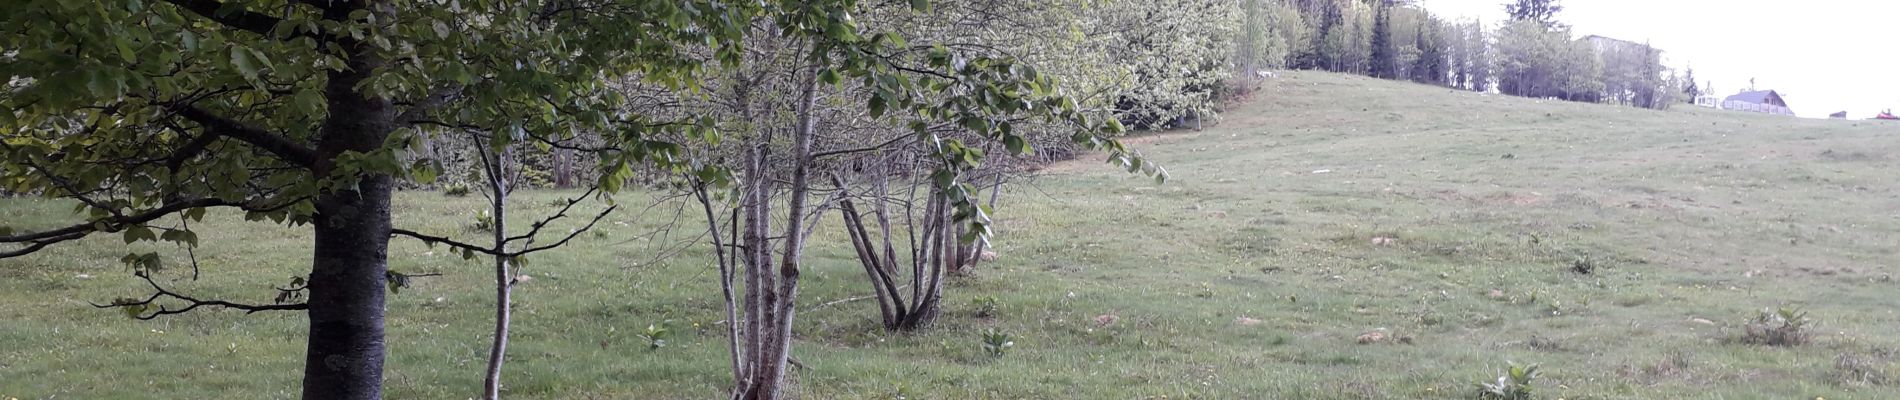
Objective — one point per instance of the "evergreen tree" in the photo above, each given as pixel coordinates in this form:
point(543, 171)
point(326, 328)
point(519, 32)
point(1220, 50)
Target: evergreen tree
point(1384, 58)
point(1691, 91)
point(1544, 11)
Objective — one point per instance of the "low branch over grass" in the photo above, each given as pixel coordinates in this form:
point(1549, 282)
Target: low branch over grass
point(137, 308)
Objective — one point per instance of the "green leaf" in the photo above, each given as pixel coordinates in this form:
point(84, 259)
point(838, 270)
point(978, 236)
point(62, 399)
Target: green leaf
point(137, 233)
point(828, 76)
point(877, 105)
point(181, 236)
point(920, 5)
point(424, 171)
point(1115, 126)
point(1016, 144)
point(125, 49)
point(308, 100)
point(242, 59)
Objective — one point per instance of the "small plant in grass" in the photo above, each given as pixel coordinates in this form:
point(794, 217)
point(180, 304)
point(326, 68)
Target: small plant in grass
point(1583, 266)
point(1858, 370)
point(901, 392)
point(656, 335)
point(997, 343)
point(986, 307)
point(484, 222)
point(1781, 327)
point(1515, 384)
point(455, 190)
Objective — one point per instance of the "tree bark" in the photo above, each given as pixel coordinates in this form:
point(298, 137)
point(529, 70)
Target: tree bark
point(344, 358)
point(778, 287)
point(496, 169)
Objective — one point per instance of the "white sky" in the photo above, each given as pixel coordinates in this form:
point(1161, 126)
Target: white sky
point(1823, 56)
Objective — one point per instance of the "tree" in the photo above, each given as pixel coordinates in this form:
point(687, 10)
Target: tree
point(1385, 64)
point(1479, 69)
point(1430, 66)
point(818, 86)
point(1535, 60)
point(1255, 44)
point(294, 112)
point(1177, 53)
point(1690, 90)
point(1543, 11)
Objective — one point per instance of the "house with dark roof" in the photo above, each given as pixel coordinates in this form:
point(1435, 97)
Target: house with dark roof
point(1761, 101)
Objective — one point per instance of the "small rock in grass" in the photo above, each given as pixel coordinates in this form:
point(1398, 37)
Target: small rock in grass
point(1372, 337)
point(1244, 321)
point(1105, 320)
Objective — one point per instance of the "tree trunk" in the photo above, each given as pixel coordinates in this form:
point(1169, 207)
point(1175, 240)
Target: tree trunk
point(778, 286)
point(496, 169)
point(344, 360)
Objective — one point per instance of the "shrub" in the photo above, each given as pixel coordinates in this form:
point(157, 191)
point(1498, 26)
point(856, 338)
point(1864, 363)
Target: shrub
point(656, 335)
point(484, 222)
point(1852, 369)
point(1583, 265)
point(455, 190)
point(986, 306)
point(1782, 327)
point(996, 342)
point(1515, 384)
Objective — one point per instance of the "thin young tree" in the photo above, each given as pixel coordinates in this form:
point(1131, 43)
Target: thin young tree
point(761, 213)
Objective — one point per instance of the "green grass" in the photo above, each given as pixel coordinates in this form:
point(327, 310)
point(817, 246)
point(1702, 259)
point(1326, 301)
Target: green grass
point(1690, 216)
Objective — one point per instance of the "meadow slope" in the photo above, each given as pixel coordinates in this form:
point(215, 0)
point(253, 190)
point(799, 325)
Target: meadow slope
point(1326, 208)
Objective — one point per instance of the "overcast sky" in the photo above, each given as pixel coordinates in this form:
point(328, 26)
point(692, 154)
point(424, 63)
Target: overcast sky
point(1823, 56)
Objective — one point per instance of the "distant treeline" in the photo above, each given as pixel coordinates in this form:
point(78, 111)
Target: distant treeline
point(1531, 55)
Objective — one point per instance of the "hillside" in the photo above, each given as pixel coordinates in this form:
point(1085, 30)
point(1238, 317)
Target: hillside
point(1330, 207)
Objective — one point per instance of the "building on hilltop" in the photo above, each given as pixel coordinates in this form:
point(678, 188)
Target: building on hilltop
point(1761, 101)
point(1708, 101)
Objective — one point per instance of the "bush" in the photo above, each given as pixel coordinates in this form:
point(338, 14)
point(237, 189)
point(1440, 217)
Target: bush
point(996, 342)
point(986, 306)
point(1782, 327)
point(484, 222)
point(1857, 370)
point(656, 335)
point(455, 190)
point(1515, 384)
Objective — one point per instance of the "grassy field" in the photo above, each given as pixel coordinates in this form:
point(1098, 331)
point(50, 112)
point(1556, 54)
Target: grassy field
point(1328, 208)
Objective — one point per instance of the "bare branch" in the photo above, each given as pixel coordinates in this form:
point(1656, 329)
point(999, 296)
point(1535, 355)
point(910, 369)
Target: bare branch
point(161, 292)
point(536, 230)
point(570, 235)
point(445, 240)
